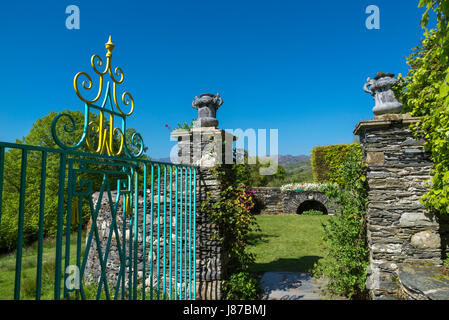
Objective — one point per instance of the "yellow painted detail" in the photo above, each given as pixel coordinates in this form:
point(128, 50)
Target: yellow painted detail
point(104, 132)
point(128, 205)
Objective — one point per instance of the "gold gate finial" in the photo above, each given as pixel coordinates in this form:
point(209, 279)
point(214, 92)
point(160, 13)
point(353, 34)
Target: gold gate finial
point(108, 138)
point(109, 46)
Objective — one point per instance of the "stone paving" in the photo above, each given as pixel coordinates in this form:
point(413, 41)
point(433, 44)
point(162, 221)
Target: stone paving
point(292, 286)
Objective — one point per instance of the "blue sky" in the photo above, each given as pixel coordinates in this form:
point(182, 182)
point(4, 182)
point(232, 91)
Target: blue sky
point(296, 66)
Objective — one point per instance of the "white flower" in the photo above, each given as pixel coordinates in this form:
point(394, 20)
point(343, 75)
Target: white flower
point(303, 186)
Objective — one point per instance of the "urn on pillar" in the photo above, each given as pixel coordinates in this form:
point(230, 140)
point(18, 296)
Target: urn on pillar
point(380, 89)
point(207, 106)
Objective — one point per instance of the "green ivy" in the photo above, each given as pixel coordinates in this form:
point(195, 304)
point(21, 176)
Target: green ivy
point(241, 286)
point(425, 93)
point(345, 234)
point(232, 213)
point(328, 159)
point(312, 213)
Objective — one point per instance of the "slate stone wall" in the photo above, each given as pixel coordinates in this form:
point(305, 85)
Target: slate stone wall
point(206, 148)
point(399, 228)
point(274, 201)
point(177, 227)
point(209, 260)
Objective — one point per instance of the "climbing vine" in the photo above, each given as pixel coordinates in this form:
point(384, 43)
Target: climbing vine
point(328, 159)
point(232, 213)
point(345, 234)
point(425, 93)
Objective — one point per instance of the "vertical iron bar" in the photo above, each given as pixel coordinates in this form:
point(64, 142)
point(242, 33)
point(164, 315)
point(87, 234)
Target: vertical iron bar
point(136, 231)
point(151, 232)
point(194, 233)
point(190, 233)
point(144, 229)
point(80, 233)
point(40, 237)
point(176, 232)
point(130, 251)
point(165, 233)
point(23, 168)
point(68, 226)
point(158, 229)
point(122, 254)
point(170, 242)
point(125, 258)
point(185, 236)
point(180, 235)
point(130, 257)
point(60, 216)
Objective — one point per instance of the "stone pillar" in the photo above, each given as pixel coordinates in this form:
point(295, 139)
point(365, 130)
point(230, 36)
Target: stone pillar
point(206, 147)
point(399, 228)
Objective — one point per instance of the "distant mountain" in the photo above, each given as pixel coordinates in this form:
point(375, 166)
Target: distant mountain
point(292, 159)
point(282, 159)
point(162, 159)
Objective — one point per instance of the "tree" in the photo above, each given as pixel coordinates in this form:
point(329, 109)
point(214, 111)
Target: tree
point(40, 135)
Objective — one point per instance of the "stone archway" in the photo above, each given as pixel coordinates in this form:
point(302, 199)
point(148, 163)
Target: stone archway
point(311, 205)
point(296, 202)
point(275, 201)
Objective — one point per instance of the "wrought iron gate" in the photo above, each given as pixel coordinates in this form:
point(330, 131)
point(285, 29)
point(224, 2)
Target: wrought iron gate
point(140, 214)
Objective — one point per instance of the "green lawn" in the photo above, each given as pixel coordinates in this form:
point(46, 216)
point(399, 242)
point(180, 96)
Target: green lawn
point(29, 263)
point(28, 278)
point(287, 243)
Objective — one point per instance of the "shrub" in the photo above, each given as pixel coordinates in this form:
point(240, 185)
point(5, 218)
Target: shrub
point(425, 93)
point(312, 213)
point(303, 186)
point(328, 159)
point(345, 234)
point(232, 213)
point(241, 286)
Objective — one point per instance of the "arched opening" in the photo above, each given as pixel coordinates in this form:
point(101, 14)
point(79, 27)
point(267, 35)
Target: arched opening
point(311, 205)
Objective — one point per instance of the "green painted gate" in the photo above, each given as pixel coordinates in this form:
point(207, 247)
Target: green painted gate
point(104, 221)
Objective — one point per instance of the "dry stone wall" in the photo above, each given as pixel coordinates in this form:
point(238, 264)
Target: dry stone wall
point(274, 201)
point(168, 244)
point(209, 258)
point(399, 228)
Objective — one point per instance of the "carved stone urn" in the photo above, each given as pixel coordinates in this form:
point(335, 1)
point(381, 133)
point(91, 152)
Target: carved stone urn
point(380, 89)
point(207, 106)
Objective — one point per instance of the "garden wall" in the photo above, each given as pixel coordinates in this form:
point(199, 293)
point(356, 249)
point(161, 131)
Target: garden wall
point(400, 230)
point(209, 258)
point(275, 201)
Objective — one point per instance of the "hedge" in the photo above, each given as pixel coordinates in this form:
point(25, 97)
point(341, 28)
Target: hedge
point(328, 159)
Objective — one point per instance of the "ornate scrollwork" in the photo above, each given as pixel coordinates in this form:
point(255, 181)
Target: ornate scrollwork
point(109, 139)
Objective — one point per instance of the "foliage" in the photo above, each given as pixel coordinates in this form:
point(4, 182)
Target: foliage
point(231, 212)
point(248, 170)
point(425, 93)
point(298, 172)
point(304, 186)
point(186, 126)
point(241, 286)
point(345, 234)
point(312, 213)
point(327, 159)
point(40, 135)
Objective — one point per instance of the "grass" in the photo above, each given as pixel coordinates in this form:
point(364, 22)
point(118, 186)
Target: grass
point(287, 243)
point(29, 267)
